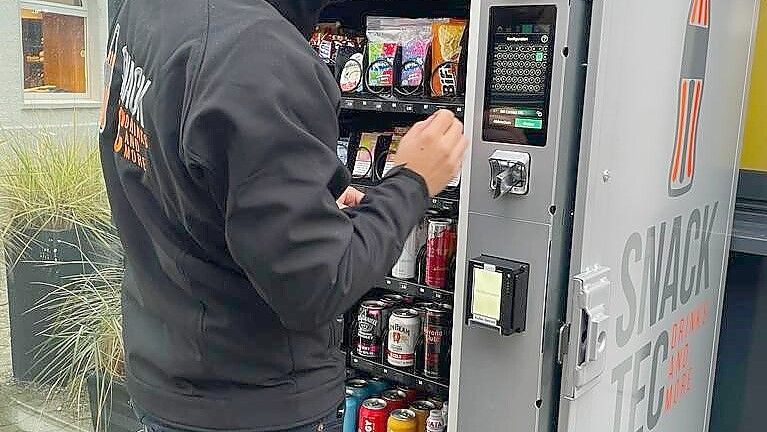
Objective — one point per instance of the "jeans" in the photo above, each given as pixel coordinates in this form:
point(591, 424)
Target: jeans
point(331, 423)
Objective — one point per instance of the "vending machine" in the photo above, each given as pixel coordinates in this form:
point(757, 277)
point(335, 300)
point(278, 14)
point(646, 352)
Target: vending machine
point(571, 278)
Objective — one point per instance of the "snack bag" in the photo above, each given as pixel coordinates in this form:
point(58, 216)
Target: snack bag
point(415, 37)
point(363, 165)
point(399, 132)
point(349, 65)
point(381, 53)
point(445, 55)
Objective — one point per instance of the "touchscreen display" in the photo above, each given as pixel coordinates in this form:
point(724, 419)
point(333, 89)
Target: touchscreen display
point(518, 80)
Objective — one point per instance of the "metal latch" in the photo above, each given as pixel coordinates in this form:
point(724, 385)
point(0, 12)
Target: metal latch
point(509, 173)
point(589, 325)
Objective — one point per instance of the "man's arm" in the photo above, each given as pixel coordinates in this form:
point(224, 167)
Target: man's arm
point(272, 122)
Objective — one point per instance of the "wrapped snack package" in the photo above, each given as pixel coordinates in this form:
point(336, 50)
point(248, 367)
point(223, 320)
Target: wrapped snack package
point(445, 55)
point(363, 165)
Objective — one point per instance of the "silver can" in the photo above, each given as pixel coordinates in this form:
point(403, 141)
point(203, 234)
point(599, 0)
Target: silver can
point(404, 332)
point(405, 267)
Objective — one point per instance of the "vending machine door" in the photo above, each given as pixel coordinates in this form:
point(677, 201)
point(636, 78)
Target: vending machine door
point(657, 173)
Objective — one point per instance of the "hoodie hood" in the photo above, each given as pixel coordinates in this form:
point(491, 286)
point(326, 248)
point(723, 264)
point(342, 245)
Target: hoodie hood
point(304, 14)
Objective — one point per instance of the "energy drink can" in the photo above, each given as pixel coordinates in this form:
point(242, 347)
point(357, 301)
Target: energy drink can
point(395, 399)
point(378, 385)
point(440, 245)
point(373, 417)
point(411, 393)
point(436, 329)
point(402, 420)
point(405, 267)
point(404, 332)
point(371, 321)
point(357, 390)
point(435, 422)
point(422, 409)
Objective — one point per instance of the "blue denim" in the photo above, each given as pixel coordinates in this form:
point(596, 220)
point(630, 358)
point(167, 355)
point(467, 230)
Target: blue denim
point(331, 423)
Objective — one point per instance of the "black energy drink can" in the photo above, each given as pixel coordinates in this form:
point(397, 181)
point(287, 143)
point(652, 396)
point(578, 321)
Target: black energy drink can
point(437, 330)
point(372, 320)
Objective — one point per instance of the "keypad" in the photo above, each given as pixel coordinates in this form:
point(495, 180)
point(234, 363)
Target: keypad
point(520, 67)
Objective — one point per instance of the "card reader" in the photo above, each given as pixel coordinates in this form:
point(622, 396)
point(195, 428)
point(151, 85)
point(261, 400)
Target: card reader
point(497, 294)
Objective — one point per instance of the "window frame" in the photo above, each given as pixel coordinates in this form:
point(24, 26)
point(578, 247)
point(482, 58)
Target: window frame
point(60, 99)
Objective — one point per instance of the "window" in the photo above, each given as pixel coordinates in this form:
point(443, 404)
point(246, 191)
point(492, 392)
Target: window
point(54, 49)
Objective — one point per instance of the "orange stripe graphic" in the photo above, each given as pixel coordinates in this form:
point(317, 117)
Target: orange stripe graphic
point(707, 13)
point(682, 122)
point(694, 127)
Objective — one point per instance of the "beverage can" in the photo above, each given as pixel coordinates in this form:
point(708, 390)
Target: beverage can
point(404, 333)
point(373, 416)
point(436, 329)
point(405, 267)
point(402, 420)
point(440, 245)
point(422, 408)
point(393, 300)
point(371, 321)
point(394, 398)
point(378, 385)
point(356, 392)
point(411, 393)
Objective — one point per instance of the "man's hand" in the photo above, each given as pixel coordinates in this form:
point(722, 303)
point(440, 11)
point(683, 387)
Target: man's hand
point(350, 198)
point(434, 149)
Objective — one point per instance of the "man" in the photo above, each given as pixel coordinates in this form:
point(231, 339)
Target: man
point(218, 147)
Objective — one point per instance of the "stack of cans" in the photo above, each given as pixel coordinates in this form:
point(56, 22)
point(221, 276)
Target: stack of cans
point(411, 336)
point(428, 254)
point(397, 409)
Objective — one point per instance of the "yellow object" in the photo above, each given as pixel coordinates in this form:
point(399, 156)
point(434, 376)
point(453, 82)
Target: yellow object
point(486, 298)
point(755, 139)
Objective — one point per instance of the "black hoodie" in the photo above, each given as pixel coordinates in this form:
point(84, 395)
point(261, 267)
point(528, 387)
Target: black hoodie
point(218, 147)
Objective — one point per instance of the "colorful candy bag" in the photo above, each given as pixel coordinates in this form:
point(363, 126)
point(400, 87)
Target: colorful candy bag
point(415, 37)
point(382, 50)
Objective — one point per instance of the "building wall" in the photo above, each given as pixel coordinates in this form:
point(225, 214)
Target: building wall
point(755, 139)
point(14, 112)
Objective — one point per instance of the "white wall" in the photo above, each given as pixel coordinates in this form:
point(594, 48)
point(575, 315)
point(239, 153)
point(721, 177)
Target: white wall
point(14, 112)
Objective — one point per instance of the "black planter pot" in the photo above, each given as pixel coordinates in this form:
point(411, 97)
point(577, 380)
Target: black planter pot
point(115, 413)
point(29, 282)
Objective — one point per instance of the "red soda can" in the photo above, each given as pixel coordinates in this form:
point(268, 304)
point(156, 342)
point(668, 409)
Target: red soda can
point(411, 394)
point(374, 414)
point(395, 399)
point(440, 245)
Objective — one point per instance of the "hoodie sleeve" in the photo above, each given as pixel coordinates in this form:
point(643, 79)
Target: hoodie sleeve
point(277, 121)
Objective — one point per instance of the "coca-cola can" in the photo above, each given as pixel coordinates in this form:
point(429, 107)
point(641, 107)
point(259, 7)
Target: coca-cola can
point(373, 416)
point(440, 247)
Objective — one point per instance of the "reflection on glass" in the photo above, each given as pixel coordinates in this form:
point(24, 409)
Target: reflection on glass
point(54, 51)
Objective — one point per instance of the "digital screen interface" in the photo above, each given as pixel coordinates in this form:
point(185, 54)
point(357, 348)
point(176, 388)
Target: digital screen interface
point(520, 54)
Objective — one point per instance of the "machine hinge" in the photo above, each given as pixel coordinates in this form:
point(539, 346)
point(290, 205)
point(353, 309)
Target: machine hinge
point(564, 342)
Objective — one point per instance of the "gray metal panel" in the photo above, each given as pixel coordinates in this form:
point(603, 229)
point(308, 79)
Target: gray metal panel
point(495, 381)
point(500, 376)
point(624, 191)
